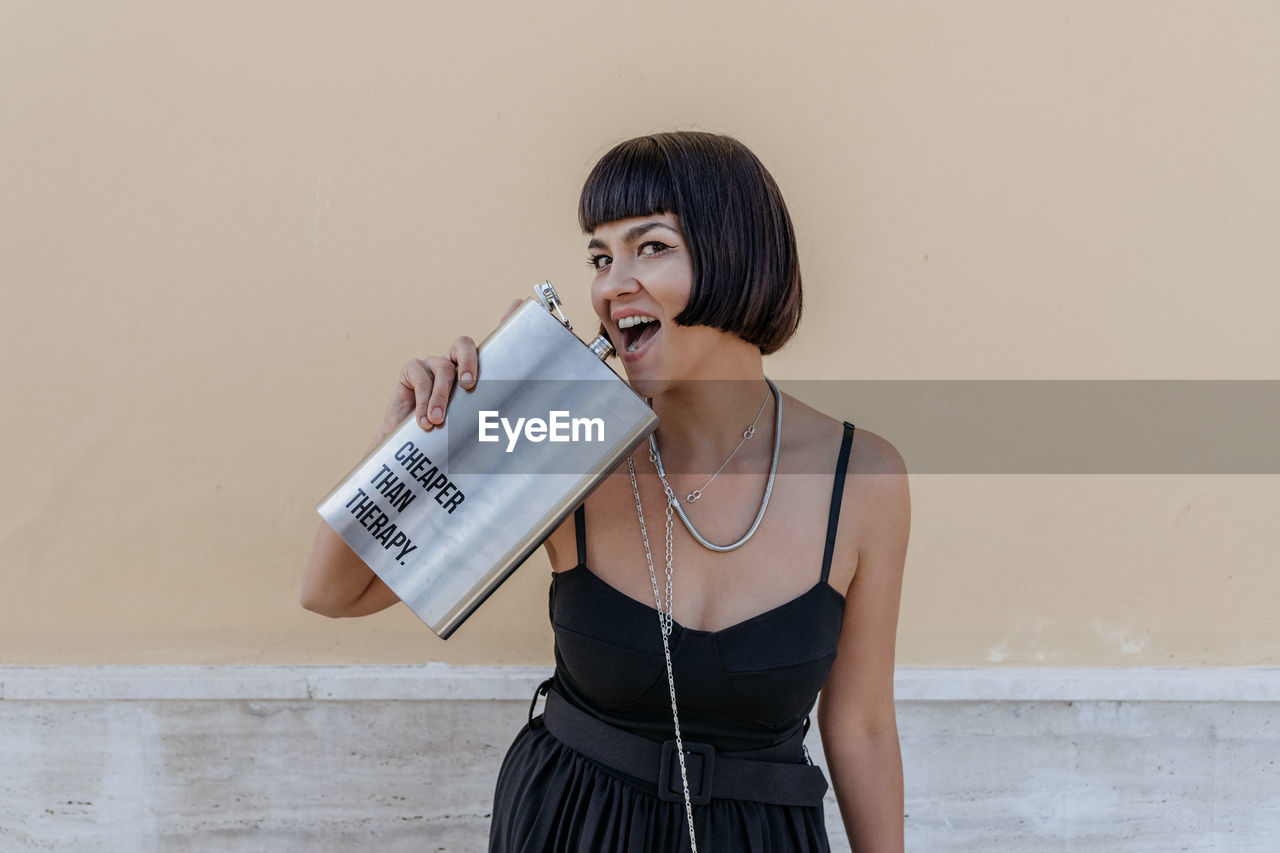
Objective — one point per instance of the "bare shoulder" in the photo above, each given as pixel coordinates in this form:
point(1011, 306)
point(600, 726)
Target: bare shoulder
point(871, 453)
point(878, 488)
point(562, 546)
point(875, 507)
point(874, 454)
point(879, 506)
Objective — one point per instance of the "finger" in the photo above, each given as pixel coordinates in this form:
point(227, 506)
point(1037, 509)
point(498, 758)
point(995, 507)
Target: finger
point(463, 353)
point(417, 379)
point(443, 374)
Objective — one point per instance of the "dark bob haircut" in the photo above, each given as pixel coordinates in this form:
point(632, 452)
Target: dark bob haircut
point(746, 269)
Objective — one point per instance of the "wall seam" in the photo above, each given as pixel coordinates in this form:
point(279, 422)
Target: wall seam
point(444, 682)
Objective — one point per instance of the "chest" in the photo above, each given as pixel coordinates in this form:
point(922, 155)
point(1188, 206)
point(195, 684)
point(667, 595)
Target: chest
point(710, 590)
point(765, 670)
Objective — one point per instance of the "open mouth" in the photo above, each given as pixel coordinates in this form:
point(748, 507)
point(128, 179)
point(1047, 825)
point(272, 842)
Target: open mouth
point(637, 335)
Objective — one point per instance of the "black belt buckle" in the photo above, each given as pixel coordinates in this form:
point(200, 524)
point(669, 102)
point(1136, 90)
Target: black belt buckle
point(542, 690)
point(699, 764)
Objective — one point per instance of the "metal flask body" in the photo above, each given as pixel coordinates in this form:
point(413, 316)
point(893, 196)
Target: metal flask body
point(443, 517)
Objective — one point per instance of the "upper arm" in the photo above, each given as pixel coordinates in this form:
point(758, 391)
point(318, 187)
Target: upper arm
point(857, 700)
point(336, 582)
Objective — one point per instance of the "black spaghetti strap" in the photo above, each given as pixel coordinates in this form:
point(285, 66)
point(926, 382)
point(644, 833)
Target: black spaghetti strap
point(580, 527)
point(837, 495)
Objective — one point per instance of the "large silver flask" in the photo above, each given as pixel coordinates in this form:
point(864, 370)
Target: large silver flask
point(445, 516)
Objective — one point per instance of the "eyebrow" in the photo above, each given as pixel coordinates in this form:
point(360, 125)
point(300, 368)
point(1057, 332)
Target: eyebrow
point(633, 233)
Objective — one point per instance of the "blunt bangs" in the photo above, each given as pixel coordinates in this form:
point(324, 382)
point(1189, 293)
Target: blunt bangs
point(633, 179)
point(746, 266)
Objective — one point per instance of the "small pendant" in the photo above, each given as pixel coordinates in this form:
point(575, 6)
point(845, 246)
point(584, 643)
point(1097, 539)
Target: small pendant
point(694, 495)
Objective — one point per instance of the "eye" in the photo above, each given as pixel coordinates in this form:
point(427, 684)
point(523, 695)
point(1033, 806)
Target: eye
point(652, 247)
point(599, 262)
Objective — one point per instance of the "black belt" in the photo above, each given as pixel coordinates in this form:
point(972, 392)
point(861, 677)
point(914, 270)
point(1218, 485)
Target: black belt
point(722, 775)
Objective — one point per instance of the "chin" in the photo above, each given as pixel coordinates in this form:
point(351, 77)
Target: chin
point(644, 383)
point(645, 386)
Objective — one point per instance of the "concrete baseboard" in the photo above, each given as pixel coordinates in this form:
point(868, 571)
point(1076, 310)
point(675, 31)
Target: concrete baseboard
point(404, 758)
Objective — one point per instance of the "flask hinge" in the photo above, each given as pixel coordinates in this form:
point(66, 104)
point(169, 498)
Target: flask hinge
point(551, 301)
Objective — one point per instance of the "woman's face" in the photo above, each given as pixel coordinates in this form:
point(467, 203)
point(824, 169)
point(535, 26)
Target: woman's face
point(643, 270)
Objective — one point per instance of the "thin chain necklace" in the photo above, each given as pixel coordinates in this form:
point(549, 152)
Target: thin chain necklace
point(672, 501)
point(664, 627)
point(747, 435)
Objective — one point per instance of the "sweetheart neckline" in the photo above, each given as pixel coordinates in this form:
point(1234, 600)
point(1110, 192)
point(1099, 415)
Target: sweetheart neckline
point(676, 625)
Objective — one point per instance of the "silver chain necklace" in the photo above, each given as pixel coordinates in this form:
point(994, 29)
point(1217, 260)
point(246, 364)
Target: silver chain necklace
point(672, 501)
point(747, 435)
point(664, 627)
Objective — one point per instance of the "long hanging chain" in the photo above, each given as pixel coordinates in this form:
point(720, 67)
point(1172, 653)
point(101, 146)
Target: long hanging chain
point(664, 627)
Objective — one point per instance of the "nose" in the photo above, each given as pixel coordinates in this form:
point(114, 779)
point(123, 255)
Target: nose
point(619, 280)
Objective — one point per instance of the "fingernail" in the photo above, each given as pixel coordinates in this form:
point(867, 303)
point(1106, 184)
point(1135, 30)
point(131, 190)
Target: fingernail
point(424, 423)
point(436, 414)
point(466, 378)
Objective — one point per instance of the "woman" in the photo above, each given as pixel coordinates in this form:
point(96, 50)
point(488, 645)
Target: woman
point(771, 587)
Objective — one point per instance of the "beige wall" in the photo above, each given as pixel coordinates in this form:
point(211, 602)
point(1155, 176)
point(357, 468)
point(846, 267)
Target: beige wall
point(225, 226)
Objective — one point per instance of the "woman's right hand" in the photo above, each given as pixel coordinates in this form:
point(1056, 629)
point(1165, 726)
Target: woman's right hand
point(336, 582)
point(426, 383)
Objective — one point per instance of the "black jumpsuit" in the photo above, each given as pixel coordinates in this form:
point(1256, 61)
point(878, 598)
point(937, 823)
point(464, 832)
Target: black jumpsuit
point(745, 687)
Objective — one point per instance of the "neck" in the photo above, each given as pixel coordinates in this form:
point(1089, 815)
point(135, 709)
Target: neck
point(703, 421)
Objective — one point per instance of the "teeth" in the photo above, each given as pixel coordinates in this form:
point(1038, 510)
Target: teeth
point(635, 320)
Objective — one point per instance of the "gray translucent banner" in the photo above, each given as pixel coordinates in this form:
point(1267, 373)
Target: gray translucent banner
point(950, 426)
